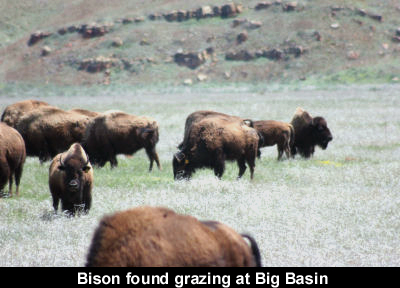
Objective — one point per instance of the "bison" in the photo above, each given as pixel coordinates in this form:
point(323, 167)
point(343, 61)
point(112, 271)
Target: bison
point(158, 237)
point(309, 132)
point(116, 132)
point(48, 131)
point(213, 140)
point(276, 132)
point(14, 112)
point(12, 157)
point(201, 114)
point(71, 180)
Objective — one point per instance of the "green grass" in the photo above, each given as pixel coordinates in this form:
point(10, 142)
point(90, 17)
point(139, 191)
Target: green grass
point(336, 209)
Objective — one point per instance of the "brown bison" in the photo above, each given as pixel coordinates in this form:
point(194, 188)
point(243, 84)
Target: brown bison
point(14, 112)
point(71, 180)
point(213, 140)
point(85, 112)
point(309, 132)
point(12, 157)
point(115, 132)
point(276, 132)
point(48, 131)
point(201, 114)
point(158, 237)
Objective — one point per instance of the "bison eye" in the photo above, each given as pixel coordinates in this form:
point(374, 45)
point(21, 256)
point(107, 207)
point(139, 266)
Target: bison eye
point(62, 168)
point(86, 169)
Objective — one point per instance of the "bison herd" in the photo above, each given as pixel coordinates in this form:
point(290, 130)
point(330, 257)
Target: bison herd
point(76, 139)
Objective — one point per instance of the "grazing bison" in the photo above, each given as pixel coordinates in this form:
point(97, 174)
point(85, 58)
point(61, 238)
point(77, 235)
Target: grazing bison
point(309, 132)
point(158, 237)
point(276, 132)
point(71, 180)
point(213, 140)
point(48, 131)
point(199, 115)
point(14, 112)
point(115, 132)
point(12, 157)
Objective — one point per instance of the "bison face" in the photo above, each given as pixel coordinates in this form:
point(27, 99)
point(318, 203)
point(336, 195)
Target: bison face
point(74, 179)
point(180, 166)
point(321, 133)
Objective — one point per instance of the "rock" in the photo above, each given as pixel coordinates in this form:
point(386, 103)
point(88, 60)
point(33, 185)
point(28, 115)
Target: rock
point(289, 7)
point(263, 5)
point(97, 64)
point(242, 37)
point(117, 42)
point(229, 10)
point(204, 12)
point(242, 55)
point(46, 50)
point(188, 82)
point(254, 24)
point(353, 55)
point(202, 77)
point(335, 25)
point(37, 36)
point(191, 60)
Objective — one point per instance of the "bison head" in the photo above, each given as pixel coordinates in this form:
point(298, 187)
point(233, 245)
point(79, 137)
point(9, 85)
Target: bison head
point(180, 166)
point(320, 132)
point(74, 169)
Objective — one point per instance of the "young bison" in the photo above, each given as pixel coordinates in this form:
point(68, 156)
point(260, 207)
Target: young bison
point(213, 140)
point(116, 132)
point(71, 180)
point(158, 237)
point(276, 132)
point(12, 157)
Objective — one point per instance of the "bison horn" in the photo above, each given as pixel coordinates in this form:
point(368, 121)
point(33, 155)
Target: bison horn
point(61, 162)
point(179, 156)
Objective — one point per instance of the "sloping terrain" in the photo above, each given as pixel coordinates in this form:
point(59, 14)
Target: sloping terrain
point(314, 41)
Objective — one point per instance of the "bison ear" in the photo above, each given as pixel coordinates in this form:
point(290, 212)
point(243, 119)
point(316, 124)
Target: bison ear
point(179, 156)
point(86, 169)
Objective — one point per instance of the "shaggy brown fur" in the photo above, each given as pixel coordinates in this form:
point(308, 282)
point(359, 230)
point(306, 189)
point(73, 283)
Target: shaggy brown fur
point(115, 132)
point(71, 180)
point(276, 132)
point(213, 140)
point(85, 112)
point(48, 131)
point(309, 132)
point(15, 111)
point(12, 157)
point(201, 114)
point(158, 237)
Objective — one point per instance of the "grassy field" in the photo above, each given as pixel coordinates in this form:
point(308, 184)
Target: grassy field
point(340, 208)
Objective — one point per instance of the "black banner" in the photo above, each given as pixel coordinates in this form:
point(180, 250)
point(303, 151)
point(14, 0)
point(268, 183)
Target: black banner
point(204, 277)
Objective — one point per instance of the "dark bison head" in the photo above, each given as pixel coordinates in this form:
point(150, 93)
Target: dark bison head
point(74, 168)
point(180, 166)
point(320, 132)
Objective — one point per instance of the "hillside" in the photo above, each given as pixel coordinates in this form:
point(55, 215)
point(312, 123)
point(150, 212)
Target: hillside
point(175, 42)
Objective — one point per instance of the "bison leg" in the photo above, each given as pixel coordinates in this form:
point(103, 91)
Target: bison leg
point(280, 152)
point(10, 183)
point(251, 161)
point(152, 154)
point(4, 176)
point(17, 176)
point(242, 166)
point(56, 200)
point(219, 166)
point(113, 161)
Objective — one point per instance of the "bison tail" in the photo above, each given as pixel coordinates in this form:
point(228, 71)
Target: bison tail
point(254, 249)
point(249, 122)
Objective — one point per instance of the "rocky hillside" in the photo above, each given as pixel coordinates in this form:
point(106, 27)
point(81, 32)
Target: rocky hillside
point(186, 42)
